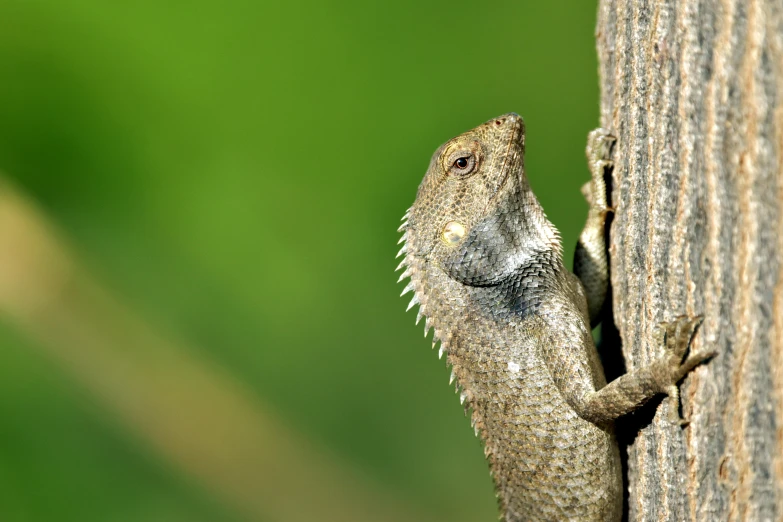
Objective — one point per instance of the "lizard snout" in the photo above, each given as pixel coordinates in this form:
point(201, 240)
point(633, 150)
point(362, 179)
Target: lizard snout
point(512, 121)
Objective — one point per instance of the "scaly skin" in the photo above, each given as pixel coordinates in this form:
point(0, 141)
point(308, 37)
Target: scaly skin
point(485, 266)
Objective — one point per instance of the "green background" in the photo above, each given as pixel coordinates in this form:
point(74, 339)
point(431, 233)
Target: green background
point(234, 173)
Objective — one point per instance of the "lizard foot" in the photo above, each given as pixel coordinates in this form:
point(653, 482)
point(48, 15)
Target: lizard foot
point(676, 337)
point(599, 153)
point(599, 145)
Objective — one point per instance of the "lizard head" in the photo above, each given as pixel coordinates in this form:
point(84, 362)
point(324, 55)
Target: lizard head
point(475, 219)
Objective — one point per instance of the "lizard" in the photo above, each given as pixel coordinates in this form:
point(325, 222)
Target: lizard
point(485, 267)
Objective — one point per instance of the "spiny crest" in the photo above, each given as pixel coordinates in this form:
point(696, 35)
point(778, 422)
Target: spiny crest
point(406, 263)
point(408, 273)
point(552, 235)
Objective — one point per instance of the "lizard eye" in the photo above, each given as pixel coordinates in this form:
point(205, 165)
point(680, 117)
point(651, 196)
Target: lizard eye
point(461, 164)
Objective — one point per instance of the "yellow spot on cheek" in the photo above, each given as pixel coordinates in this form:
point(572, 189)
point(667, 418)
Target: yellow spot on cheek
point(453, 232)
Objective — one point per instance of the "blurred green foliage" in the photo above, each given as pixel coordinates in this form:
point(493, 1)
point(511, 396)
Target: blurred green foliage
point(235, 171)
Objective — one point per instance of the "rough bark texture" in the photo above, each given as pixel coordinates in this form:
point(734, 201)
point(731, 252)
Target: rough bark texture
point(693, 90)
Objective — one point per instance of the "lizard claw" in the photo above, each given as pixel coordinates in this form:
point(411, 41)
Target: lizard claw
point(676, 336)
point(606, 211)
point(599, 145)
point(678, 342)
point(679, 333)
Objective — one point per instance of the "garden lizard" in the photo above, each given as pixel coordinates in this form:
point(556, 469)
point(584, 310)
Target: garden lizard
point(485, 267)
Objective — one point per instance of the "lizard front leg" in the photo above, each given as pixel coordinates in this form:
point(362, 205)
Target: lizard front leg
point(591, 265)
point(629, 391)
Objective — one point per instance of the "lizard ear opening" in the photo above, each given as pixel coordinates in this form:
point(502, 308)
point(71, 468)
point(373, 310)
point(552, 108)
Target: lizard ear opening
point(453, 233)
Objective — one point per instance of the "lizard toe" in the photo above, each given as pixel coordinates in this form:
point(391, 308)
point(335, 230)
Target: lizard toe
point(599, 144)
point(695, 359)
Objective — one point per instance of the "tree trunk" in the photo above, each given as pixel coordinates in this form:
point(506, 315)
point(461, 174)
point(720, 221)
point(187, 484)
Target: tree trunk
point(693, 90)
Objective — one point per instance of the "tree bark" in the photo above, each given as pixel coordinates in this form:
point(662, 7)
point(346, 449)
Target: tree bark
point(693, 90)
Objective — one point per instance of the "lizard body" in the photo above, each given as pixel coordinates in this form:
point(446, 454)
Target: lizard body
point(485, 266)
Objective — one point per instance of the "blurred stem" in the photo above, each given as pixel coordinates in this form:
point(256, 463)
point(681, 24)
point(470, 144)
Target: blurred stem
point(193, 414)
